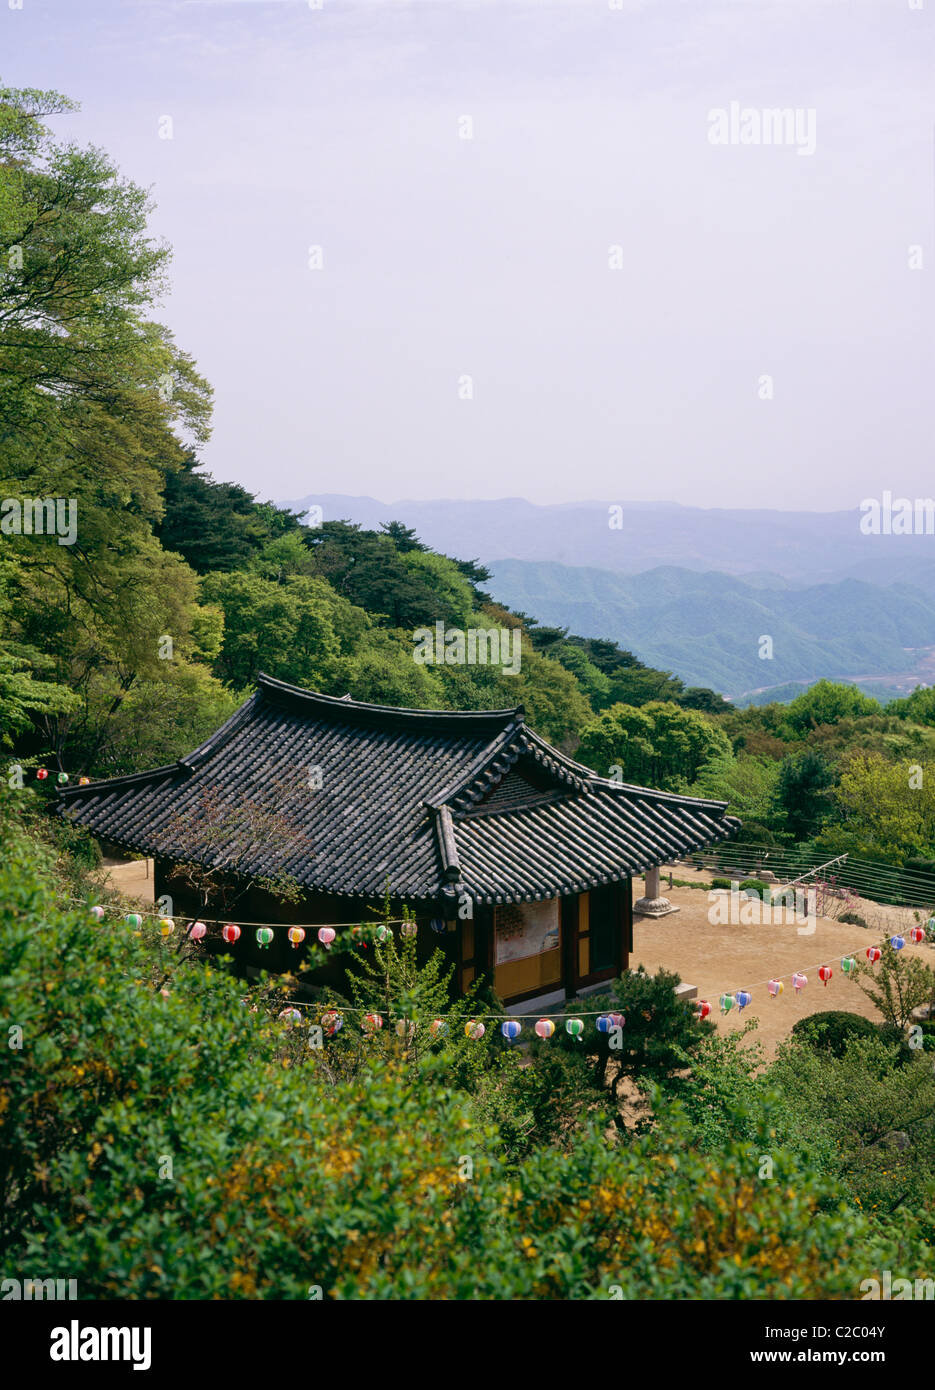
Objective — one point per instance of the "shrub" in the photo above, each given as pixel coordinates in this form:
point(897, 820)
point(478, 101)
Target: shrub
point(831, 1031)
point(854, 919)
point(720, 883)
point(757, 886)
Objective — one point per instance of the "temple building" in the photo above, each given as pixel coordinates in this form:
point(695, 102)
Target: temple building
point(308, 809)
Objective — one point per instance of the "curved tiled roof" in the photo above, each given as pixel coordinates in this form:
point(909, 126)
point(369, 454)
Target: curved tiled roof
point(423, 802)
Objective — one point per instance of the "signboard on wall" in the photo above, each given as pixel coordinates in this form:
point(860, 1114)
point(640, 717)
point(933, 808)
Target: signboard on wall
point(526, 929)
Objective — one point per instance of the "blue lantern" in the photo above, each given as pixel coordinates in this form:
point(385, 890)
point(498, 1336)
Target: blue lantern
point(511, 1029)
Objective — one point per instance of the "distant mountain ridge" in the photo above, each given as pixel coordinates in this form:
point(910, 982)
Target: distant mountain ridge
point(802, 547)
point(694, 591)
point(709, 627)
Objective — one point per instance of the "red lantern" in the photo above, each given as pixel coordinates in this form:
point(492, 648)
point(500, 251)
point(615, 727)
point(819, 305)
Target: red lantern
point(230, 932)
point(824, 974)
point(917, 934)
point(42, 773)
point(702, 1008)
point(873, 954)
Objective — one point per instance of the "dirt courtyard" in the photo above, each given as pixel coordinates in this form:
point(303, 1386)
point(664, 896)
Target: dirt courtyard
point(722, 959)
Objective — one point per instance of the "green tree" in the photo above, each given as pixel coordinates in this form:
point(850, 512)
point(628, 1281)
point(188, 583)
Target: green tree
point(658, 745)
point(803, 792)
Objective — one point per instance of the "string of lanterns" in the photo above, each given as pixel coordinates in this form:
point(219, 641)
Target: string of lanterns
point(100, 912)
point(799, 979)
point(511, 1028)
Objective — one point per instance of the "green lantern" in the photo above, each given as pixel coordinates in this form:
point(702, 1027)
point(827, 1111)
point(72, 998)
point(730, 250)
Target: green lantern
point(848, 964)
point(264, 936)
point(133, 919)
point(574, 1027)
point(62, 778)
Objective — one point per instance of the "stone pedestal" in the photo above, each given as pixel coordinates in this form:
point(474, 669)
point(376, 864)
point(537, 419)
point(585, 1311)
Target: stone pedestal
point(652, 905)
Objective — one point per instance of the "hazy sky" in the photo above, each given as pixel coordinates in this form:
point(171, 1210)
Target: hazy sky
point(444, 257)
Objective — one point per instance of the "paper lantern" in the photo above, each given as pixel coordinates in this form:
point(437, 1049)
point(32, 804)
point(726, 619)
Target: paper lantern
point(473, 1029)
point(437, 924)
point(83, 781)
point(608, 1022)
point(702, 1008)
point(359, 936)
point(331, 1022)
point(848, 964)
point(438, 1028)
point(824, 974)
point(62, 779)
point(897, 942)
point(775, 987)
point(264, 936)
point(296, 935)
point(511, 1029)
point(545, 1028)
point(371, 1023)
point(743, 997)
point(408, 929)
point(326, 935)
point(799, 981)
point(230, 932)
point(97, 913)
point(405, 1028)
point(42, 773)
point(917, 934)
point(166, 926)
point(198, 931)
point(574, 1027)
point(290, 1016)
point(873, 954)
point(727, 1003)
point(133, 919)
point(381, 933)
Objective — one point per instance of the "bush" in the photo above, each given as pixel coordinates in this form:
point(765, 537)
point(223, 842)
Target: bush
point(720, 883)
point(757, 886)
point(833, 1030)
point(853, 919)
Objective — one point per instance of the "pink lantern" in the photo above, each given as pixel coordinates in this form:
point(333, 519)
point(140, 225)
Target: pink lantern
point(473, 1029)
point(775, 987)
point(296, 935)
point(97, 913)
point(230, 932)
point(290, 1016)
point(408, 929)
point(799, 981)
point(873, 954)
point(326, 935)
point(824, 974)
point(197, 931)
point(545, 1028)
